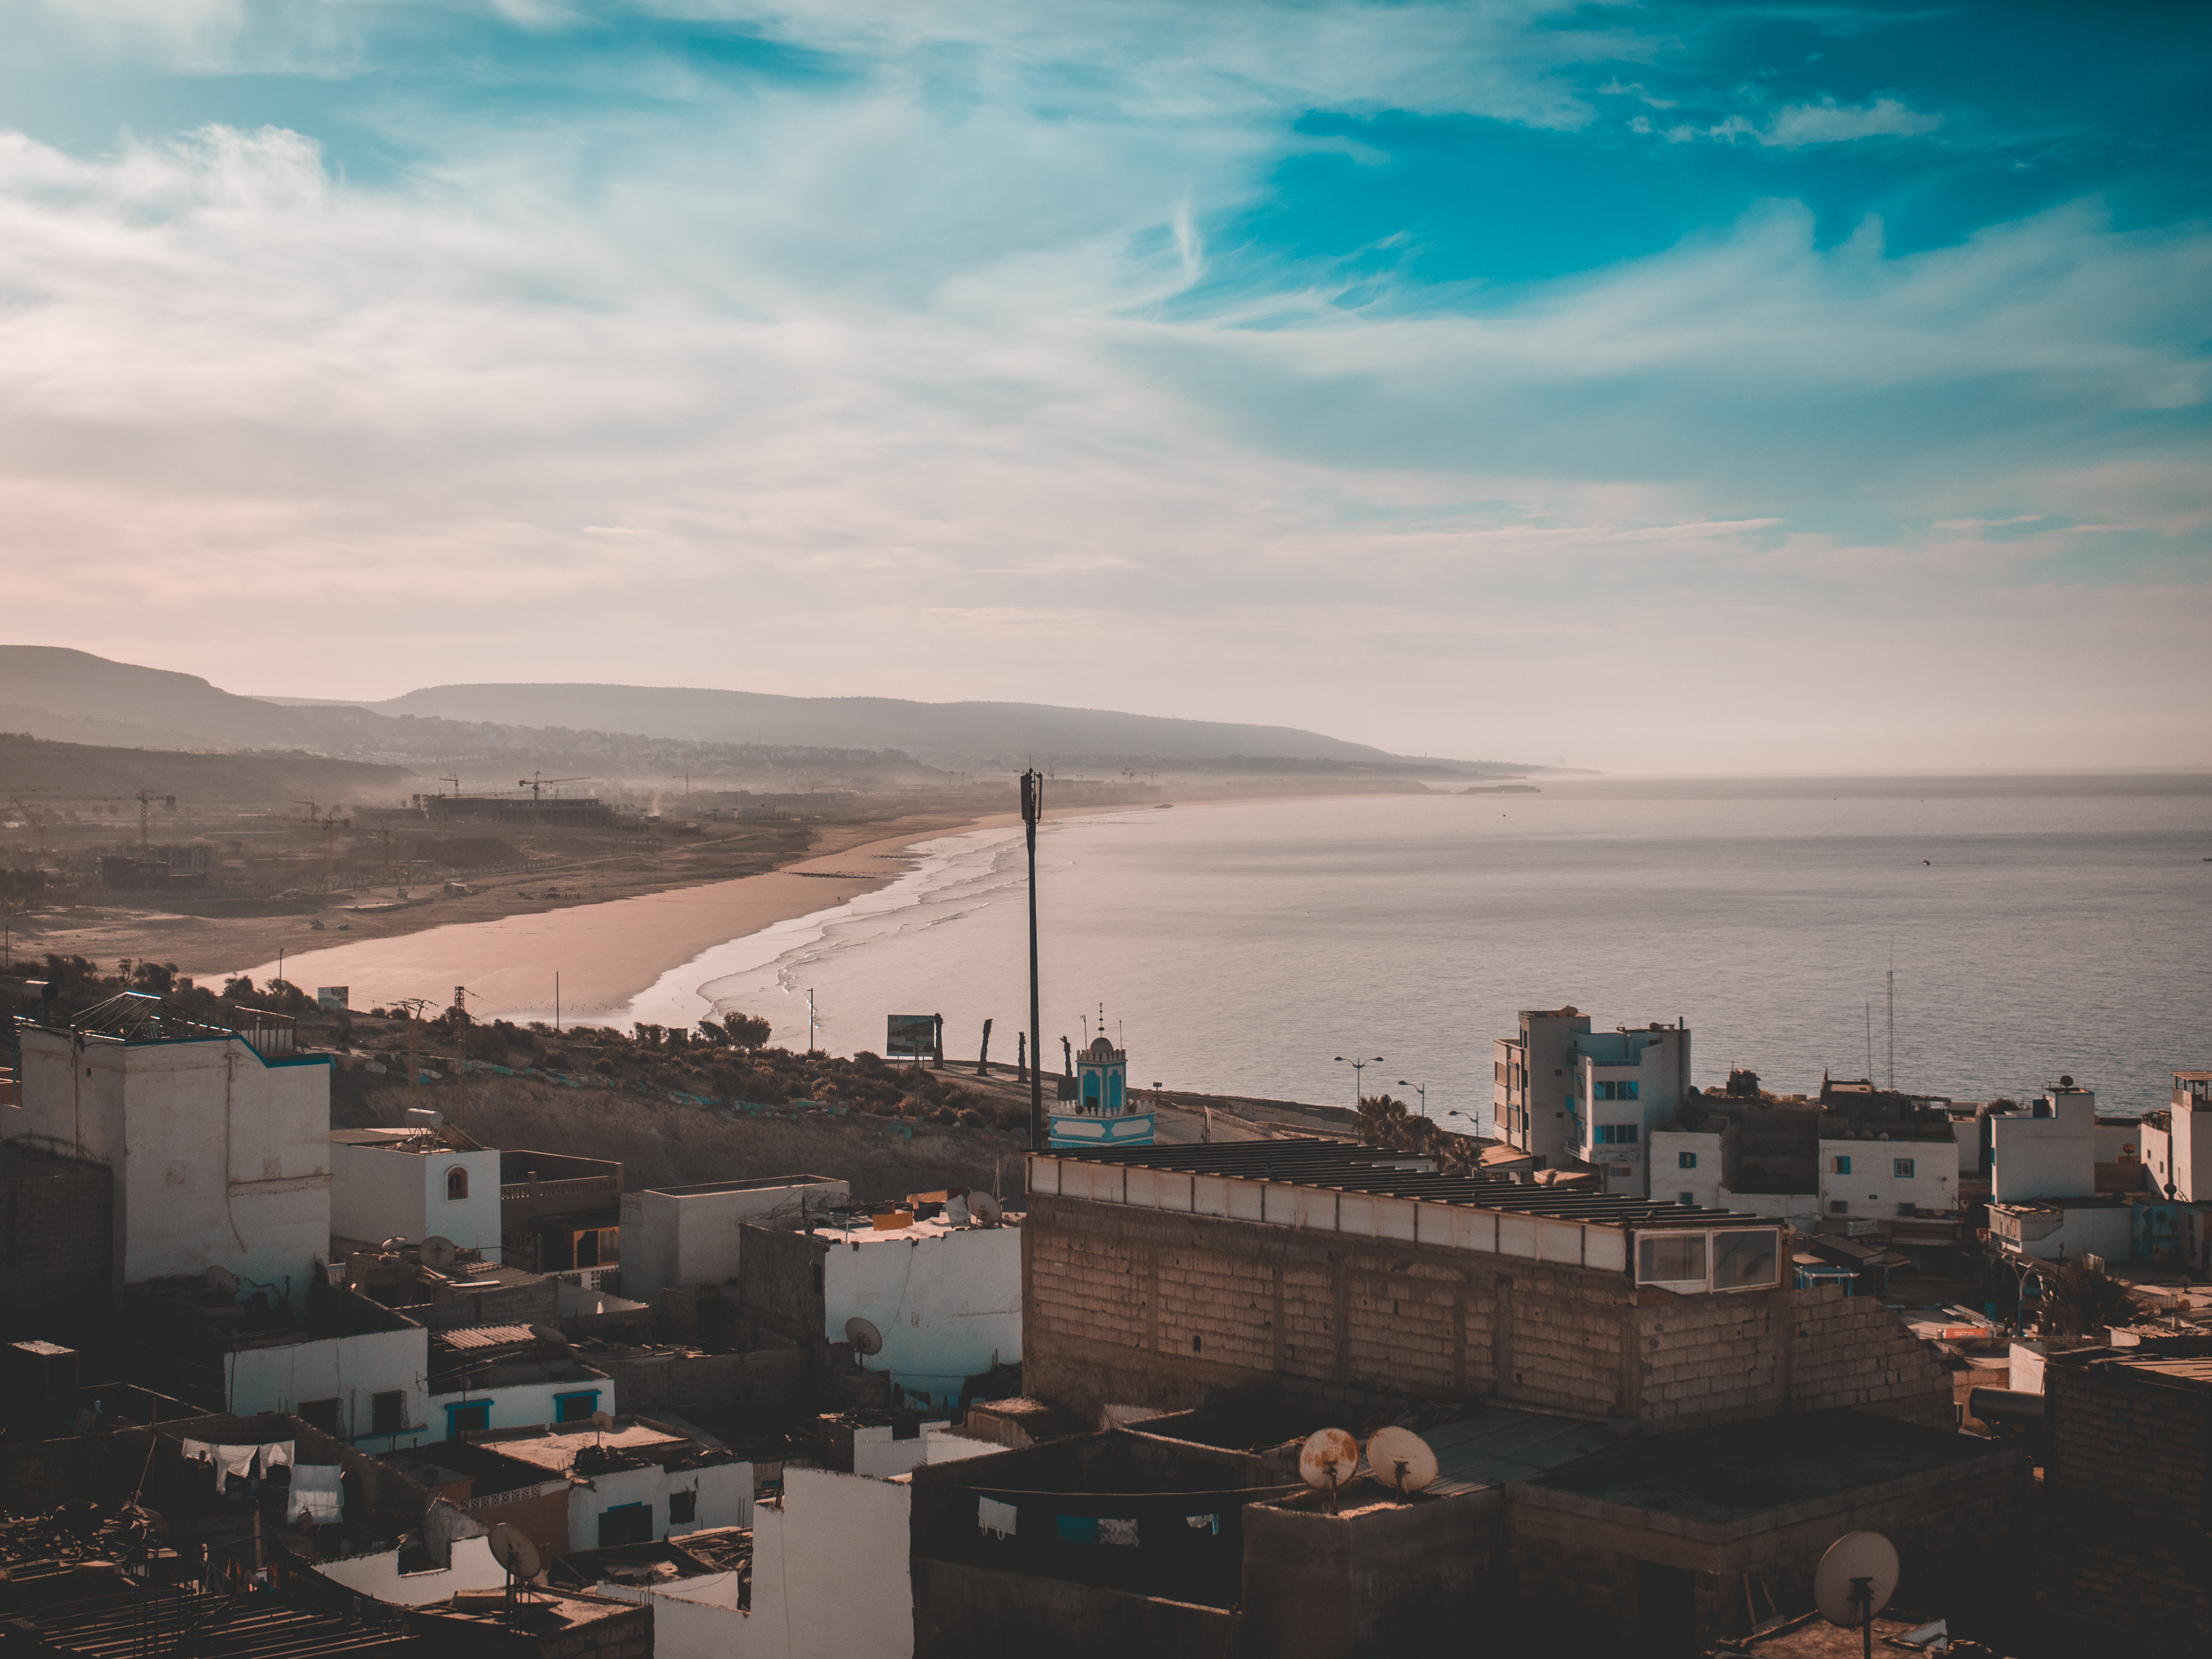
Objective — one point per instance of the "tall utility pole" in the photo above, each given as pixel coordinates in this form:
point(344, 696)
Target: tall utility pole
point(1032, 809)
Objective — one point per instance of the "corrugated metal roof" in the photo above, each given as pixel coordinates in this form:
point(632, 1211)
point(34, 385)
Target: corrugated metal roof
point(484, 1336)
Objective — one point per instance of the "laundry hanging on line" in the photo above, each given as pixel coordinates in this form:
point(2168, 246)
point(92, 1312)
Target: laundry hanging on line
point(995, 1518)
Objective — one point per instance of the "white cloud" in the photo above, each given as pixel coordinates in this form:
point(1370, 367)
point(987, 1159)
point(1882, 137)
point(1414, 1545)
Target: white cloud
point(1830, 123)
point(855, 391)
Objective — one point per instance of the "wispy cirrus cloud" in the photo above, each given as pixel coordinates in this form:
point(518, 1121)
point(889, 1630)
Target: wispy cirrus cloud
point(749, 369)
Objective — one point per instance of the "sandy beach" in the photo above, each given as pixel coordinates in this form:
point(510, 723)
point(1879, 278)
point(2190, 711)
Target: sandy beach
point(605, 954)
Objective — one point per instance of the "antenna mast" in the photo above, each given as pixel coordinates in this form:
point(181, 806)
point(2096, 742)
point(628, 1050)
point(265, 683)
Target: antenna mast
point(1892, 992)
point(1032, 809)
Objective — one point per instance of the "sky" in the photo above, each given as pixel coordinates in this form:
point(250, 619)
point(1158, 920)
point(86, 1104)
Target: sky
point(1703, 388)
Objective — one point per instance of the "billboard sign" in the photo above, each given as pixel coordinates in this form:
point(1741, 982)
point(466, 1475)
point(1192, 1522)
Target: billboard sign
point(913, 1037)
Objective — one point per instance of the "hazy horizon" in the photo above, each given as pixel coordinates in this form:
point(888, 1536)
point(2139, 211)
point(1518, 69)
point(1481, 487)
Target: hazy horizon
point(1661, 391)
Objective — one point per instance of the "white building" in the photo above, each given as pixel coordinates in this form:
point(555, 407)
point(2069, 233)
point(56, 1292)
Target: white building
point(507, 1377)
point(2046, 1150)
point(217, 1141)
point(945, 1299)
point(1887, 1173)
point(2177, 1143)
point(683, 1235)
point(1625, 1085)
point(1531, 1094)
point(412, 1184)
point(2076, 1226)
point(1691, 1166)
point(635, 1481)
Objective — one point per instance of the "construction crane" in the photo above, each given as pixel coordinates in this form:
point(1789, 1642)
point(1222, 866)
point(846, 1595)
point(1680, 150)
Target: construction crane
point(146, 798)
point(38, 824)
point(456, 782)
point(538, 785)
point(329, 821)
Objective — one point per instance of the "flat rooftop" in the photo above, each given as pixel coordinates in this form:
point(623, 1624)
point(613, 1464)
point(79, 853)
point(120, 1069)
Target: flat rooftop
point(919, 1232)
point(770, 1184)
point(557, 1453)
point(1720, 1475)
point(1346, 1166)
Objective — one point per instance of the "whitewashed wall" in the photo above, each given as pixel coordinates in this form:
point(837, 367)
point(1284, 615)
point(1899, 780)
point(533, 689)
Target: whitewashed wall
point(831, 1565)
point(949, 1304)
point(379, 1575)
point(347, 1369)
point(522, 1405)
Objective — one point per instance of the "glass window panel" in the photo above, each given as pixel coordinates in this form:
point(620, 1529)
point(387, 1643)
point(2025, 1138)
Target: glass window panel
point(1742, 1259)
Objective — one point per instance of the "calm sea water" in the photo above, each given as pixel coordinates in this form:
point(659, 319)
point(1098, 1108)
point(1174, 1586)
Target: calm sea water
point(1240, 949)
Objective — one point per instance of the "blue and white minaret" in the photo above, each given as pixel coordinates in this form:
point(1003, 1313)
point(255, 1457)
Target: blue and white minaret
point(1102, 1112)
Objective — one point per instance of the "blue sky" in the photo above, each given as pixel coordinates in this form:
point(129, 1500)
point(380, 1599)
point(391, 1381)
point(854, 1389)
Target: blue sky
point(1661, 387)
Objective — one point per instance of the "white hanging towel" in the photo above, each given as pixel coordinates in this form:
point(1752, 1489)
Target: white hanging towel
point(994, 1518)
point(200, 1451)
point(236, 1460)
point(1116, 1531)
point(276, 1453)
point(317, 1491)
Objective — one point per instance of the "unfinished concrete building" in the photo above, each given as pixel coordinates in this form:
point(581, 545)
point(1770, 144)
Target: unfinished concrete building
point(1332, 1274)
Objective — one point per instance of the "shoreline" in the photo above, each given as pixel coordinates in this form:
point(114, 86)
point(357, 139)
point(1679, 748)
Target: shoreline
point(609, 953)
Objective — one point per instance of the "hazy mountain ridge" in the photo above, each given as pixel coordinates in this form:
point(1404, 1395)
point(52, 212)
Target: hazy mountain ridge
point(69, 696)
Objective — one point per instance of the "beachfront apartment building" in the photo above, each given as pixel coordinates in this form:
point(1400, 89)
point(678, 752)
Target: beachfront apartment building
point(1569, 1095)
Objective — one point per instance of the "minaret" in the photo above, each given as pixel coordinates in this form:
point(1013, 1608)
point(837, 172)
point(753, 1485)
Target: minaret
point(1101, 1073)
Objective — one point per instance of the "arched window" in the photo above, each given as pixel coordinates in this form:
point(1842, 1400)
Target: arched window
point(1113, 1093)
point(1091, 1091)
point(457, 1182)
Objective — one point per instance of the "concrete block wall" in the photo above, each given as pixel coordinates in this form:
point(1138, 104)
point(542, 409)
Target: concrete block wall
point(2120, 1437)
point(1125, 1306)
point(650, 1383)
point(1852, 1353)
point(57, 1233)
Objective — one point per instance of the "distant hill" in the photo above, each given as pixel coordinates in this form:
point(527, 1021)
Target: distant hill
point(40, 771)
point(972, 732)
point(73, 695)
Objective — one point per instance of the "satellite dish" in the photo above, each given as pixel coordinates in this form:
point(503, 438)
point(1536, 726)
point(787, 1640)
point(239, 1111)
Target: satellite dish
point(1329, 1459)
point(863, 1335)
point(511, 1548)
point(552, 1334)
point(603, 1421)
point(394, 1242)
point(1854, 1555)
point(1401, 1460)
point(985, 1209)
point(222, 1279)
point(438, 1253)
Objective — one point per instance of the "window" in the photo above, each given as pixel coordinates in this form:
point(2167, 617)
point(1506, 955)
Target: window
point(1624, 1089)
point(1901, 1168)
point(1689, 1200)
point(1839, 1206)
point(323, 1413)
point(457, 1182)
point(1744, 1260)
point(1671, 1257)
point(1840, 1165)
point(626, 1523)
point(387, 1412)
point(1686, 1160)
point(1617, 1134)
point(574, 1407)
point(466, 1416)
point(1905, 1208)
point(683, 1506)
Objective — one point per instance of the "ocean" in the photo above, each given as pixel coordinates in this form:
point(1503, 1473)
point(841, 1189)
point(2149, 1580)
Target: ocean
point(2035, 927)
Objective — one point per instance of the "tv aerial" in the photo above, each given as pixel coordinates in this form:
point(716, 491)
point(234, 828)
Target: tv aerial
point(438, 1253)
point(1329, 1459)
point(863, 1335)
point(1401, 1460)
point(1854, 1582)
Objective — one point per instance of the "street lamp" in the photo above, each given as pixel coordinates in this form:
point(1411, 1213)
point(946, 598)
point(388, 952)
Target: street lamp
point(1421, 1089)
point(1358, 1067)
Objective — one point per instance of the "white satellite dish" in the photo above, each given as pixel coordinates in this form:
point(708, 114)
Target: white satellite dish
point(603, 1421)
point(222, 1280)
point(1329, 1459)
point(438, 1253)
point(863, 1335)
point(985, 1209)
point(552, 1334)
point(1854, 1557)
point(1401, 1460)
point(511, 1548)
